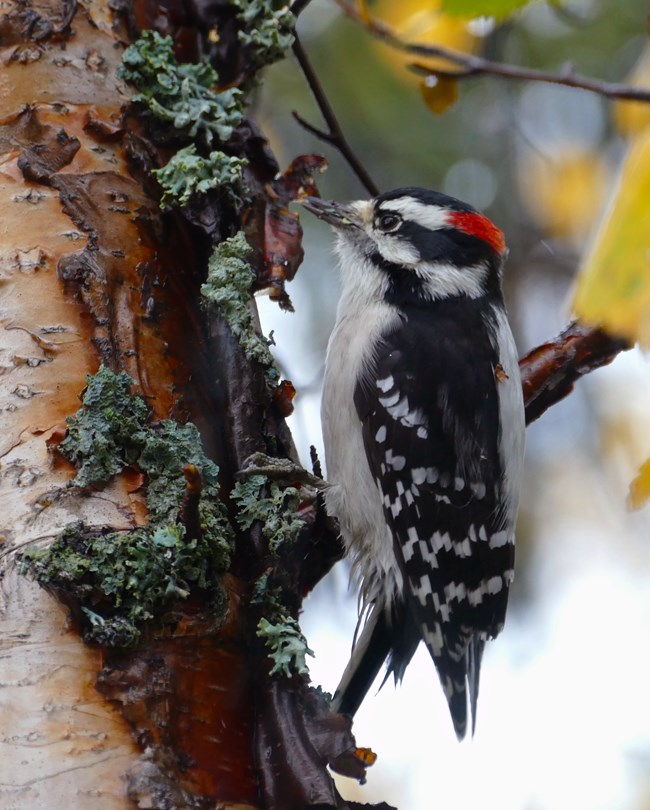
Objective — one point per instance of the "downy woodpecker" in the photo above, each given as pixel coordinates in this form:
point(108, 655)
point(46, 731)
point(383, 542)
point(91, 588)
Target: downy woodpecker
point(423, 422)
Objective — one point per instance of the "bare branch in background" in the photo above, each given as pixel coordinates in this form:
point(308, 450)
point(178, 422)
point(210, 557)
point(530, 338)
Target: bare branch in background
point(334, 135)
point(470, 65)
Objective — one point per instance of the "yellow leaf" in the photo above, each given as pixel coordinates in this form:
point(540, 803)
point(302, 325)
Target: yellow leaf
point(640, 488)
point(439, 93)
point(613, 289)
point(632, 117)
point(564, 194)
point(422, 21)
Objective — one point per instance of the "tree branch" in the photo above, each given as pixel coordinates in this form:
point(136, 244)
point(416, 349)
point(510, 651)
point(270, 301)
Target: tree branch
point(334, 135)
point(470, 65)
point(549, 371)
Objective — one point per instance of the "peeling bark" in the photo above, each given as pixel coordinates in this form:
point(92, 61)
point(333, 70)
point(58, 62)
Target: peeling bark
point(88, 274)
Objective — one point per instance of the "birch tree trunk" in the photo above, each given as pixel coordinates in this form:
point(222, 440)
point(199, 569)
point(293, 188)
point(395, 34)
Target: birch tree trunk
point(91, 275)
point(62, 744)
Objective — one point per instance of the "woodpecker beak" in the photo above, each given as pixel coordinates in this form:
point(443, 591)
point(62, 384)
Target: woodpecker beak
point(334, 213)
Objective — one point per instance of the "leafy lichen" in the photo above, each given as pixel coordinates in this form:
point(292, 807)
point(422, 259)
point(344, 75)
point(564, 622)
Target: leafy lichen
point(185, 95)
point(288, 647)
point(120, 580)
point(259, 498)
point(228, 286)
point(188, 173)
point(107, 434)
point(180, 92)
point(267, 30)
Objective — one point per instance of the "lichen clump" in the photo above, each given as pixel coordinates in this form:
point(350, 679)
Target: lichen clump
point(259, 498)
point(268, 30)
point(185, 95)
point(181, 93)
point(288, 647)
point(121, 580)
point(229, 286)
point(188, 173)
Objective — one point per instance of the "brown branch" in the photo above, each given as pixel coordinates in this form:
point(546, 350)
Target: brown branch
point(549, 372)
point(334, 135)
point(470, 65)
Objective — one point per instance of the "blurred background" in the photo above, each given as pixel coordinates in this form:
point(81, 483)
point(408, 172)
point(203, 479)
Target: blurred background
point(564, 712)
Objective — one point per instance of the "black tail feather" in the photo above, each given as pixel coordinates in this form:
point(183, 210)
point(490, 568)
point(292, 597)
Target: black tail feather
point(474, 658)
point(460, 679)
point(393, 639)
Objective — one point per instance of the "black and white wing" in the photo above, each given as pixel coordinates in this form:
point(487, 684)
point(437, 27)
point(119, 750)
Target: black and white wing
point(431, 420)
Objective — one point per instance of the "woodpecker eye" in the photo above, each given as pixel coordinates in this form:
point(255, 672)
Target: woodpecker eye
point(388, 222)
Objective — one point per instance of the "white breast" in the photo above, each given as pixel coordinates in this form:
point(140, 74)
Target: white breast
point(512, 418)
point(353, 496)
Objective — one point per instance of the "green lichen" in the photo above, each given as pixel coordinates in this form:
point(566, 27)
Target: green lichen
point(108, 433)
point(180, 92)
point(287, 644)
point(267, 30)
point(259, 498)
point(267, 594)
point(121, 580)
point(229, 287)
point(188, 173)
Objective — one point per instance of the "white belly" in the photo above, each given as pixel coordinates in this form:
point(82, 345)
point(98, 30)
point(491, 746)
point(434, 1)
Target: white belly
point(353, 496)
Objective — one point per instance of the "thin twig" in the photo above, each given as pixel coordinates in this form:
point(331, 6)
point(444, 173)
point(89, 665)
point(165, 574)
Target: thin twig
point(470, 65)
point(334, 134)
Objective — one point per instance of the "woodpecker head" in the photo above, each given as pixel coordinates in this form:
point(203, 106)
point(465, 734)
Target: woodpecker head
point(416, 245)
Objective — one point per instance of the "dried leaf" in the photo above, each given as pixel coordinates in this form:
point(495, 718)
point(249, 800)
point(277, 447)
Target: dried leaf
point(439, 93)
point(275, 231)
point(283, 397)
point(614, 283)
point(500, 373)
point(423, 21)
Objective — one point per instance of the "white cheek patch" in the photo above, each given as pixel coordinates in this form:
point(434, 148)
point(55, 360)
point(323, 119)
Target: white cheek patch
point(392, 248)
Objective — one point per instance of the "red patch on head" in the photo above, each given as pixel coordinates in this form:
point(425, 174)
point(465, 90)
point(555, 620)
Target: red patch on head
point(479, 226)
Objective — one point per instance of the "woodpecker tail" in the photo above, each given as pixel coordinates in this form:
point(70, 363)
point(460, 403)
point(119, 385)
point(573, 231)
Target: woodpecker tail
point(460, 678)
point(392, 638)
point(474, 657)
